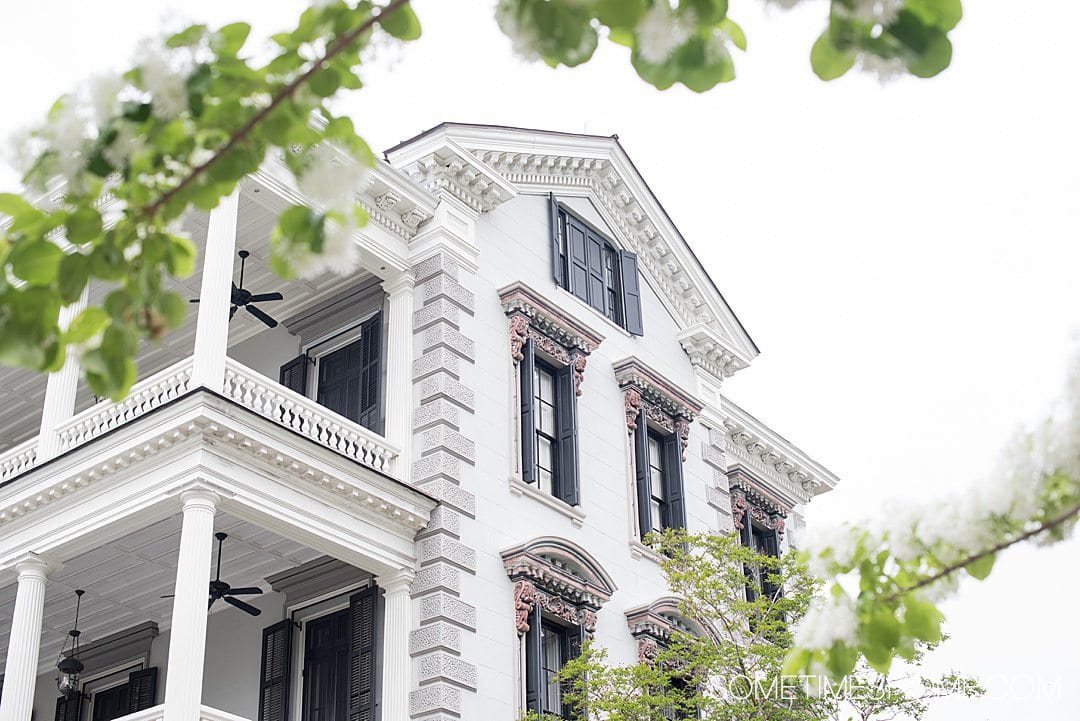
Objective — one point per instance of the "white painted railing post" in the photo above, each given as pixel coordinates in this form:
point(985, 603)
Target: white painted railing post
point(187, 642)
point(24, 644)
point(397, 664)
point(399, 368)
point(60, 389)
point(212, 329)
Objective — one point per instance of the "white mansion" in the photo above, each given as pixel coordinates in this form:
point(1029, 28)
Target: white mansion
point(411, 491)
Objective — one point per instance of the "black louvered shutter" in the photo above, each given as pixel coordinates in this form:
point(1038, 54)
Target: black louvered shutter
point(69, 708)
point(293, 375)
point(641, 466)
point(772, 548)
point(747, 538)
point(363, 654)
point(673, 480)
point(575, 639)
point(371, 373)
point(527, 369)
point(275, 669)
point(566, 426)
point(577, 240)
point(534, 664)
point(631, 293)
point(558, 243)
point(597, 287)
point(142, 689)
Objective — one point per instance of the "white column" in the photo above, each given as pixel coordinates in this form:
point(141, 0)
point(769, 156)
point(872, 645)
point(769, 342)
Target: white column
point(397, 664)
point(399, 361)
point(60, 389)
point(24, 645)
point(187, 642)
point(212, 331)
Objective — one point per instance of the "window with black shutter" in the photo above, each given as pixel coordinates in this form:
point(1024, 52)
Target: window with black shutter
point(589, 265)
point(69, 708)
point(349, 378)
point(549, 645)
point(658, 463)
point(548, 426)
point(274, 671)
point(363, 656)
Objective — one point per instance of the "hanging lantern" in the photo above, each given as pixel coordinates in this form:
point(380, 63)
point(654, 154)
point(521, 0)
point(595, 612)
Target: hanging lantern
point(68, 663)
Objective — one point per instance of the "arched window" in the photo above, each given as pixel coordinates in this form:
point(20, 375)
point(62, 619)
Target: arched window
point(558, 588)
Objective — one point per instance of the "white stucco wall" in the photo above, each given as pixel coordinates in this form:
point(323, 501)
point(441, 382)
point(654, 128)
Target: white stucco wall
point(514, 246)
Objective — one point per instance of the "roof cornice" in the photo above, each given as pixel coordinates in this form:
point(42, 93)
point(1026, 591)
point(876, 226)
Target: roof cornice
point(533, 161)
point(771, 458)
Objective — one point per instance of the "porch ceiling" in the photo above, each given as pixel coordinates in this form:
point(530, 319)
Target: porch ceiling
point(22, 393)
point(124, 580)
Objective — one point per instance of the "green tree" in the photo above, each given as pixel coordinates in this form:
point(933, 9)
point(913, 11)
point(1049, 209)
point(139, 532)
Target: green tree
point(727, 664)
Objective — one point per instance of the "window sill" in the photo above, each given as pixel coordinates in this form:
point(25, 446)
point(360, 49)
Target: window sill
point(594, 313)
point(520, 488)
point(639, 550)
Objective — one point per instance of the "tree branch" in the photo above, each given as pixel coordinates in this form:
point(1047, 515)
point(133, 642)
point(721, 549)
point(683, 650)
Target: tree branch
point(954, 567)
point(335, 48)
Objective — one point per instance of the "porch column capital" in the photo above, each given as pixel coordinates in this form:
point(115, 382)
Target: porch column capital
point(200, 499)
point(405, 282)
point(36, 565)
point(396, 582)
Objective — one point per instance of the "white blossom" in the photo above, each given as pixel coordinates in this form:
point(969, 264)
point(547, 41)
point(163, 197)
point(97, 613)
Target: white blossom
point(123, 146)
point(833, 620)
point(830, 547)
point(523, 37)
point(22, 150)
point(660, 32)
point(783, 4)
point(332, 182)
point(716, 48)
point(69, 133)
point(165, 72)
point(882, 12)
point(104, 91)
point(339, 254)
point(886, 69)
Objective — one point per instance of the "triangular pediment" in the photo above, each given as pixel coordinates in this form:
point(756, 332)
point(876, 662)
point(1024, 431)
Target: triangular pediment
point(497, 163)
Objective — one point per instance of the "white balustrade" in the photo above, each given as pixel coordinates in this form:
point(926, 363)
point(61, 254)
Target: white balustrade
point(154, 713)
point(146, 395)
point(303, 415)
point(19, 459)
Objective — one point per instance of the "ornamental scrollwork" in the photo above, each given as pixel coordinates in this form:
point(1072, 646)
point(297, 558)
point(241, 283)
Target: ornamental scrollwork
point(525, 595)
point(647, 650)
point(632, 406)
point(519, 332)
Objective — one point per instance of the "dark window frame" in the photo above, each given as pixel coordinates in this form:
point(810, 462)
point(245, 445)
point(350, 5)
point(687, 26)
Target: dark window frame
point(537, 687)
point(565, 478)
point(589, 265)
point(672, 510)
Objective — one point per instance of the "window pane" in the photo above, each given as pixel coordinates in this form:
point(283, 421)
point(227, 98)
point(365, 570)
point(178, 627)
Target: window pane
point(656, 509)
point(547, 418)
point(546, 385)
point(551, 653)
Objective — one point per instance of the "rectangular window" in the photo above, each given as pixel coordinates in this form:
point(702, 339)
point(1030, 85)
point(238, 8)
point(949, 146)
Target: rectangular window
point(658, 464)
point(547, 442)
point(588, 265)
point(549, 645)
point(548, 426)
point(765, 541)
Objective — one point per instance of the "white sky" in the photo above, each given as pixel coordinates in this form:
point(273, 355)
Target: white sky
point(906, 257)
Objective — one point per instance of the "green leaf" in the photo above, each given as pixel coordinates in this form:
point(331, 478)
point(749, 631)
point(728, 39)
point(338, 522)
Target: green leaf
point(14, 205)
point(83, 225)
point(229, 39)
point(188, 36)
point(619, 13)
point(942, 14)
point(402, 23)
point(325, 82)
point(174, 309)
point(934, 58)
point(705, 12)
point(86, 325)
point(72, 277)
point(878, 636)
point(922, 619)
point(37, 262)
point(738, 37)
point(981, 568)
point(828, 61)
point(180, 256)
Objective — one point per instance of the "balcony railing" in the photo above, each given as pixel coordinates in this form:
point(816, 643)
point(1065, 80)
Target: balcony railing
point(243, 385)
point(306, 417)
point(16, 460)
point(164, 386)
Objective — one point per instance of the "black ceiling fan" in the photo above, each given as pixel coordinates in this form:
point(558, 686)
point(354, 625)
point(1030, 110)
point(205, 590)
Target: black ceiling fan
point(221, 590)
point(243, 298)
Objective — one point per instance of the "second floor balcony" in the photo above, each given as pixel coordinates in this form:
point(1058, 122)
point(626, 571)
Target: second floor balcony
point(311, 355)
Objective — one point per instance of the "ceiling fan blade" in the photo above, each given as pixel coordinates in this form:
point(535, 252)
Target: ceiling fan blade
point(232, 311)
point(193, 300)
point(265, 297)
point(244, 591)
point(245, 607)
point(270, 322)
point(211, 604)
point(171, 595)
